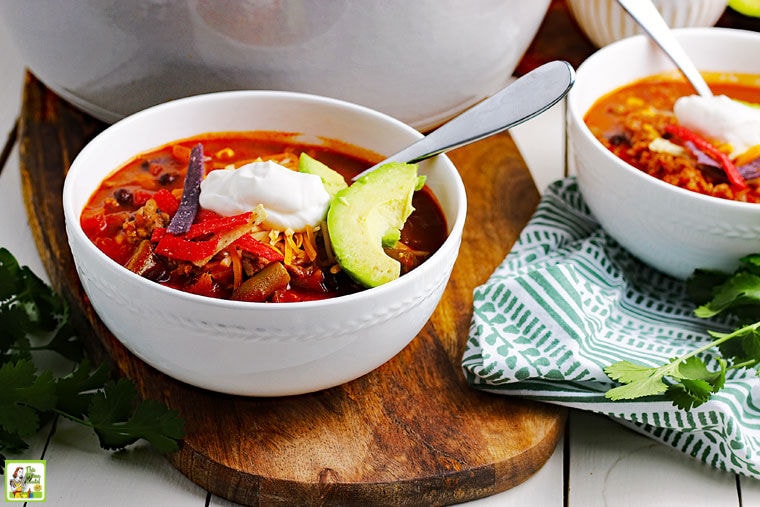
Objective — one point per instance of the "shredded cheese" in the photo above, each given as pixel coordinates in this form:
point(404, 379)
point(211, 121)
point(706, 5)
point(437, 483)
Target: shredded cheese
point(661, 145)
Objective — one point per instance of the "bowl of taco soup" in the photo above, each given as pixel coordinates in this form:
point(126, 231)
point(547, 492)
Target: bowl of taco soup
point(670, 175)
point(223, 241)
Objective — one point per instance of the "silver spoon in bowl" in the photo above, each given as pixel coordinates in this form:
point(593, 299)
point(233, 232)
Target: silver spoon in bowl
point(649, 18)
point(521, 100)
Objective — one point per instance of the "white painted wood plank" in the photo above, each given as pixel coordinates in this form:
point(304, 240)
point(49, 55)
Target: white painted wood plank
point(541, 142)
point(750, 491)
point(611, 465)
point(80, 473)
point(11, 84)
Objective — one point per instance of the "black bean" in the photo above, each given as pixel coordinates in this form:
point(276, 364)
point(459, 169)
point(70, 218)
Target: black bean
point(157, 272)
point(618, 139)
point(123, 196)
point(167, 178)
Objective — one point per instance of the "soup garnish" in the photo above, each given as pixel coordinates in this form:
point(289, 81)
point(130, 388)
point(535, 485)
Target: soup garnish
point(250, 222)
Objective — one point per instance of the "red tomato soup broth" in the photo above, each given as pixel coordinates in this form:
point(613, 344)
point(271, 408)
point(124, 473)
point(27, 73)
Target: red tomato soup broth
point(127, 213)
point(629, 119)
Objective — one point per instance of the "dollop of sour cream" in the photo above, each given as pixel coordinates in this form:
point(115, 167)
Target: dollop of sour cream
point(721, 117)
point(291, 199)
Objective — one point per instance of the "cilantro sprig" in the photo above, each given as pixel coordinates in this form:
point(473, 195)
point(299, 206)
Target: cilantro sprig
point(687, 380)
point(34, 318)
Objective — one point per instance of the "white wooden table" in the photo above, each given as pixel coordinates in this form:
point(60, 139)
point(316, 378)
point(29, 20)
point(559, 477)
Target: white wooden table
point(597, 463)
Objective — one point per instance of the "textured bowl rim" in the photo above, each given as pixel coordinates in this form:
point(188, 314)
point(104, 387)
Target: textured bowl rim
point(452, 241)
point(683, 34)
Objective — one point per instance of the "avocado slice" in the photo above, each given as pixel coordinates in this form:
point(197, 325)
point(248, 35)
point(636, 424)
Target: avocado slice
point(371, 210)
point(331, 179)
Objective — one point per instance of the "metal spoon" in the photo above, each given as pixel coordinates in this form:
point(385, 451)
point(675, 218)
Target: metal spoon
point(648, 17)
point(521, 100)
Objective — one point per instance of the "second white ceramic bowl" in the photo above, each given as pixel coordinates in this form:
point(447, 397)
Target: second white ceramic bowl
point(260, 349)
point(673, 229)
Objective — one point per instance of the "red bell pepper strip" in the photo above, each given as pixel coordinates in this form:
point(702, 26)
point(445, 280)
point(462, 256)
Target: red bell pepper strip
point(218, 225)
point(180, 248)
point(215, 225)
point(703, 144)
point(257, 248)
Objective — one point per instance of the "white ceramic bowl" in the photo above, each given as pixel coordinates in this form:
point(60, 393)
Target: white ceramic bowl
point(673, 229)
point(421, 61)
point(258, 348)
point(604, 21)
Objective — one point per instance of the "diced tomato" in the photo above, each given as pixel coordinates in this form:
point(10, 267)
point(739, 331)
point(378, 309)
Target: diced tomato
point(312, 281)
point(285, 296)
point(291, 295)
point(181, 153)
point(140, 197)
point(94, 225)
point(115, 221)
point(166, 201)
point(120, 252)
point(204, 286)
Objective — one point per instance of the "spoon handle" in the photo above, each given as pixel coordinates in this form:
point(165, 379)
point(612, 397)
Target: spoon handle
point(648, 17)
point(528, 96)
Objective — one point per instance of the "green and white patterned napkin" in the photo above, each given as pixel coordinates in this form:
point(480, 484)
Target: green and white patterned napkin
point(567, 301)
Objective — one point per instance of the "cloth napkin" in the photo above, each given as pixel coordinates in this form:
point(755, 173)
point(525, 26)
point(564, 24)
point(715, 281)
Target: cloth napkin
point(567, 301)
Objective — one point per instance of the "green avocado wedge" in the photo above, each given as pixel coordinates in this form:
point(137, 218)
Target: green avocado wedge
point(331, 179)
point(365, 215)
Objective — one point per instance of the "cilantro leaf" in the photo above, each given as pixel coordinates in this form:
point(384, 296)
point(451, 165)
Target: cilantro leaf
point(31, 310)
point(700, 286)
point(742, 289)
point(76, 390)
point(638, 381)
point(741, 346)
point(23, 395)
point(43, 310)
point(153, 422)
point(751, 263)
point(118, 423)
point(689, 393)
point(113, 403)
point(696, 384)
